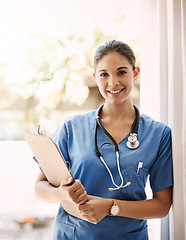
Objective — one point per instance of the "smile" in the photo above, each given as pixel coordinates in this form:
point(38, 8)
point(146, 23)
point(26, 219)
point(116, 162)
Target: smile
point(116, 91)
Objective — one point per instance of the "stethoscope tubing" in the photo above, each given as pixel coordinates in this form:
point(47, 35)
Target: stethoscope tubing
point(134, 131)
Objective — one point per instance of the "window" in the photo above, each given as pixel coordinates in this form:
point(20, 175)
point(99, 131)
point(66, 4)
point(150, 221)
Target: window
point(46, 59)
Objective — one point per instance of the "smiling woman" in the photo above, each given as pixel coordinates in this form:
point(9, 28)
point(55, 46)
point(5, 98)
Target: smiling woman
point(110, 186)
point(115, 71)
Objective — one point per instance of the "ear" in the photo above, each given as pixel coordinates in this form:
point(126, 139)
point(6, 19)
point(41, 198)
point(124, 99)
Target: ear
point(94, 75)
point(136, 74)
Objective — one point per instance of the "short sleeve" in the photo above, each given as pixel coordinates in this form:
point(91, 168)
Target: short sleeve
point(60, 137)
point(37, 163)
point(161, 172)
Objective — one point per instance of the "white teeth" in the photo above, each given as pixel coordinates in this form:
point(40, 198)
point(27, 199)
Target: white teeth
point(115, 91)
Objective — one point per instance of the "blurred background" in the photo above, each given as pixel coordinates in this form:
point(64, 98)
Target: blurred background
point(46, 58)
point(46, 65)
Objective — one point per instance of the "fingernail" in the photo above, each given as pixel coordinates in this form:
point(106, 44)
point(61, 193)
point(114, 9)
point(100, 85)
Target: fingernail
point(69, 179)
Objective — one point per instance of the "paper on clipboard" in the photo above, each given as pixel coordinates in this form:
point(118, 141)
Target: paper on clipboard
point(53, 165)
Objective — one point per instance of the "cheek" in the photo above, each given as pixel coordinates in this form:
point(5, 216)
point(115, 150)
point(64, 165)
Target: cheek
point(101, 83)
point(130, 86)
point(102, 88)
point(130, 82)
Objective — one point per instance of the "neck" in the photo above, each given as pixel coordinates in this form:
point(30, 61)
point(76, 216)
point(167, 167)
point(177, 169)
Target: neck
point(123, 111)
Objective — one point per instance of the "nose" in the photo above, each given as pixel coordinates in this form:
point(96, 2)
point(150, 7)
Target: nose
point(113, 82)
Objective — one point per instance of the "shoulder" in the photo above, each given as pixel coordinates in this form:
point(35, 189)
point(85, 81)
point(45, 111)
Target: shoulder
point(83, 118)
point(78, 122)
point(151, 126)
point(75, 124)
point(149, 122)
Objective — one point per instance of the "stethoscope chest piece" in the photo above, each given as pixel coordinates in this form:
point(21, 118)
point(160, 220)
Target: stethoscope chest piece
point(132, 142)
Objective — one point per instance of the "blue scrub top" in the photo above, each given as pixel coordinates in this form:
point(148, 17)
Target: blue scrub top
point(75, 139)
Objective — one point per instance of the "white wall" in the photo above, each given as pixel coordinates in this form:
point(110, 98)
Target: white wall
point(18, 173)
point(162, 88)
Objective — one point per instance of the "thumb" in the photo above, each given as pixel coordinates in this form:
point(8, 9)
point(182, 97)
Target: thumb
point(67, 181)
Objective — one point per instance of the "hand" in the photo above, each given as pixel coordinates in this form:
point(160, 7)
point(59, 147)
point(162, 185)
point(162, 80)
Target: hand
point(95, 209)
point(75, 192)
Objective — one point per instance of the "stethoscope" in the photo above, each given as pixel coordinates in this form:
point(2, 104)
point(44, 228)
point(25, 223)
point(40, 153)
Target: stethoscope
point(132, 143)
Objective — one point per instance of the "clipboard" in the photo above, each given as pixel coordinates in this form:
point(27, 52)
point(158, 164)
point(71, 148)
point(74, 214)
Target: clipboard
point(53, 165)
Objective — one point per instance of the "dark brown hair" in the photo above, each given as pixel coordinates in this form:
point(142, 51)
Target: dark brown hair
point(115, 46)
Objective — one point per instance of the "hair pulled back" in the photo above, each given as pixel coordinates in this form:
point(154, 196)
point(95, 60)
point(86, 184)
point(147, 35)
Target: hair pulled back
point(115, 46)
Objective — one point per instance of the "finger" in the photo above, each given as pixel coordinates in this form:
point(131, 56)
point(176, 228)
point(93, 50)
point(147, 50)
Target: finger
point(88, 214)
point(79, 199)
point(84, 207)
point(80, 190)
point(75, 186)
point(77, 193)
point(82, 198)
point(85, 215)
point(67, 181)
point(92, 219)
point(69, 187)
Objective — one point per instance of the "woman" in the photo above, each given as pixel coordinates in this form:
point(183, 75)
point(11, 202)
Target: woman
point(110, 189)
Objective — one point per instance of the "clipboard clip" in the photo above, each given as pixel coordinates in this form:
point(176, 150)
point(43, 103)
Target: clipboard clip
point(41, 130)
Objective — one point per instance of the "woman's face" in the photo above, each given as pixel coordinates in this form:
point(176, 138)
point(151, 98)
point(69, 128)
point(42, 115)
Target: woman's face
point(115, 78)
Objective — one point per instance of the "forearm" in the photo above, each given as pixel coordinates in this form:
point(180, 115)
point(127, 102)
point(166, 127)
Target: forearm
point(146, 209)
point(46, 192)
point(157, 207)
point(69, 190)
point(96, 208)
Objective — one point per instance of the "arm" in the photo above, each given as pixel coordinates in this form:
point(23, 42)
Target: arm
point(48, 193)
point(158, 207)
point(97, 208)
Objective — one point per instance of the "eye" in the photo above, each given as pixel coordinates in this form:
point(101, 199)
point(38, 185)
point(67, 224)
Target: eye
point(103, 74)
point(121, 72)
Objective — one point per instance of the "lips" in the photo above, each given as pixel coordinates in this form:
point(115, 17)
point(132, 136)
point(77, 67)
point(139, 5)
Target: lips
point(115, 91)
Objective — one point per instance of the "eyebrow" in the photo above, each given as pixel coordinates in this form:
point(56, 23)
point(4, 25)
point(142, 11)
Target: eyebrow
point(122, 67)
point(117, 69)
